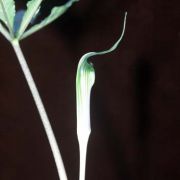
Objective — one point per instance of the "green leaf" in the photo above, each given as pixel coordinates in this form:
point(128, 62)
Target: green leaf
point(4, 32)
point(7, 13)
point(85, 80)
point(56, 12)
point(32, 7)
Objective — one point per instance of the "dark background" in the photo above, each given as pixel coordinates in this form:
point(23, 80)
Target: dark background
point(135, 102)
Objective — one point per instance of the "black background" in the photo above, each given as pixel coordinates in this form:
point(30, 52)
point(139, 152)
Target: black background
point(135, 107)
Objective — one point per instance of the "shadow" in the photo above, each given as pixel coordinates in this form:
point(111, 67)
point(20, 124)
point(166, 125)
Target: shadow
point(113, 142)
point(143, 79)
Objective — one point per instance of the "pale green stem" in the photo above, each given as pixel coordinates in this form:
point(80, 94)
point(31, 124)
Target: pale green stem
point(41, 110)
point(83, 153)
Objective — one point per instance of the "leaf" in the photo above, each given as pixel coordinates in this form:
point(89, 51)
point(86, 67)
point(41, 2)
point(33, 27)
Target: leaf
point(32, 7)
point(56, 12)
point(7, 13)
point(4, 32)
point(85, 80)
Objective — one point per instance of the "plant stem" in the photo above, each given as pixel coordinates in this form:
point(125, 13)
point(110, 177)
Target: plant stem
point(83, 143)
point(41, 110)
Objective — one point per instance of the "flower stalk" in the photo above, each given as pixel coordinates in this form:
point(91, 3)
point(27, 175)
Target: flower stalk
point(85, 79)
